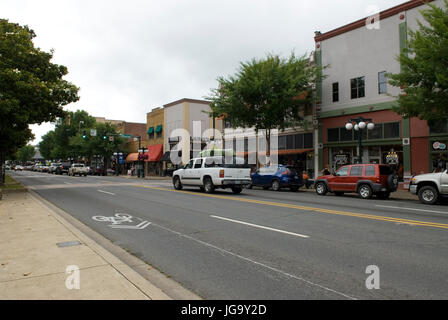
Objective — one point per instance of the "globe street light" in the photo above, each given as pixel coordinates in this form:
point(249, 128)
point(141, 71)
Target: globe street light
point(359, 124)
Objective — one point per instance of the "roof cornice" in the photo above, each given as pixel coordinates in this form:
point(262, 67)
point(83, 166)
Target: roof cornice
point(362, 22)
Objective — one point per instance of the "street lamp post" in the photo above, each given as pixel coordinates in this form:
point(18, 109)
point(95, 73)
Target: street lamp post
point(360, 124)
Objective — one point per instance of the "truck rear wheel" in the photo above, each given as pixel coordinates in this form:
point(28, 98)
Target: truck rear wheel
point(208, 185)
point(237, 190)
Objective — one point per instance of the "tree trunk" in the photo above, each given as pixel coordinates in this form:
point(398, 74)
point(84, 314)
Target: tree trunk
point(2, 168)
point(268, 147)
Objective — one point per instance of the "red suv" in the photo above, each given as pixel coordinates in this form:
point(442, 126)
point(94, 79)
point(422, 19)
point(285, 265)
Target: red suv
point(364, 179)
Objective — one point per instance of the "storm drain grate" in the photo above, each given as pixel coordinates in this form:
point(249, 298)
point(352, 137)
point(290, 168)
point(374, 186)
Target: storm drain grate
point(68, 244)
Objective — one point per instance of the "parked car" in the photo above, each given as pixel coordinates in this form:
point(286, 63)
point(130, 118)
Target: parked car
point(77, 169)
point(44, 169)
point(63, 168)
point(53, 167)
point(7, 167)
point(18, 168)
point(430, 187)
point(211, 173)
point(99, 171)
point(277, 177)
point(365, 179)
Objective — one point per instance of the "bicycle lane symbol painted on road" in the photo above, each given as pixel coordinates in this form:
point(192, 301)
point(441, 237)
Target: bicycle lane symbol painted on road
point(117, 221)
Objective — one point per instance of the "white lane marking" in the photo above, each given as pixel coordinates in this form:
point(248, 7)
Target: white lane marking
point(261, 227)
point(140, 226)
point(413, 209)
point(106, 192)
point(289, 275)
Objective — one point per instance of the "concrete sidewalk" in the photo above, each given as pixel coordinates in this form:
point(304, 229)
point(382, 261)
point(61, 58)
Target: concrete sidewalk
point(33, 265)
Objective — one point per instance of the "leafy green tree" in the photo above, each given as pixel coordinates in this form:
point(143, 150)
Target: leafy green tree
point(67, 128)
point(67, 141)
point(25, 153)
point(266, 94)
point(32, 88)
point(47, 145)
point(424, 74)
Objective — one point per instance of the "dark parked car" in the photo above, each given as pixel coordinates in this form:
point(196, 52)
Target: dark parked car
point(365, 179)
point(63, 168)
point(277, 177)
point(99, 171)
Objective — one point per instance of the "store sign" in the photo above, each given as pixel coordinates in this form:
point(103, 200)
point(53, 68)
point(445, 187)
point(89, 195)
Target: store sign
point(392, 158)
point(438, 146)
point(341, 159)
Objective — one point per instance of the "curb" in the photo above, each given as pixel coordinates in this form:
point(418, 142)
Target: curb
point(124, 268)
point(393, 195)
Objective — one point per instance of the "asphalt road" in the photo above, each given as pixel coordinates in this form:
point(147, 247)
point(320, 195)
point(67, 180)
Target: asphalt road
point(264, 244)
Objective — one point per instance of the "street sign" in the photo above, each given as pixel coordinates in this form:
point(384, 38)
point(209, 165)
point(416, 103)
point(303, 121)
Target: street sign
point(111, 138)
point(126, 135)
point(121, 159)
point(93, 132)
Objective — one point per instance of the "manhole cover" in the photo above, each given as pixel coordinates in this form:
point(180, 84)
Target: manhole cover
point(68, 244)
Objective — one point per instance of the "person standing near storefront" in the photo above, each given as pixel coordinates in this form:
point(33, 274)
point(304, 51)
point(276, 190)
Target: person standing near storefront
point(326, 171)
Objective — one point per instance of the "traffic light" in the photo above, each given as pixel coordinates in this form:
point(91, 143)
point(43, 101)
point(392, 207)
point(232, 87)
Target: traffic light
point(84, 134)
point(104, 137)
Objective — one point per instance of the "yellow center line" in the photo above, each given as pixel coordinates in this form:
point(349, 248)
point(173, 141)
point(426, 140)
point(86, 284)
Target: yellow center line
point(305, 208)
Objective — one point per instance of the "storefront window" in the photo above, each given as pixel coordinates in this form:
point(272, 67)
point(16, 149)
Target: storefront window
point(438, 126)
point(298, 141)
point(290, 142)
point(364, 135)
point(281, 142)
point(333, 135)
point(308, 140)
point(346, 135)
point(392, 130)
point(376, 132)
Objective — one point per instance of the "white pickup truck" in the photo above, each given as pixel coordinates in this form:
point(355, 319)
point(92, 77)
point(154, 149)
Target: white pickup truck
point(430, 187)
point(210, 173)
point(78, 169)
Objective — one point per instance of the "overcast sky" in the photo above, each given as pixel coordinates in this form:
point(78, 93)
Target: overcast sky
point(131, 56)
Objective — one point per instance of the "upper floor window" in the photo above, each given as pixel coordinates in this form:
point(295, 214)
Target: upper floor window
point(438, 126)
point(382, 82)
point(357, 86)
point(336, 92)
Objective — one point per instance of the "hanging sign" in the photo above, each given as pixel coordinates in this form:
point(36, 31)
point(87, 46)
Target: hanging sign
point(438, 146)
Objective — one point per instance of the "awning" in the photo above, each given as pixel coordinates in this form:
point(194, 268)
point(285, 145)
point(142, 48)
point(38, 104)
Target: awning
point(291, 151)
point(132, 157)
point(154, 153)
point(150, 130)
point(159, 128)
